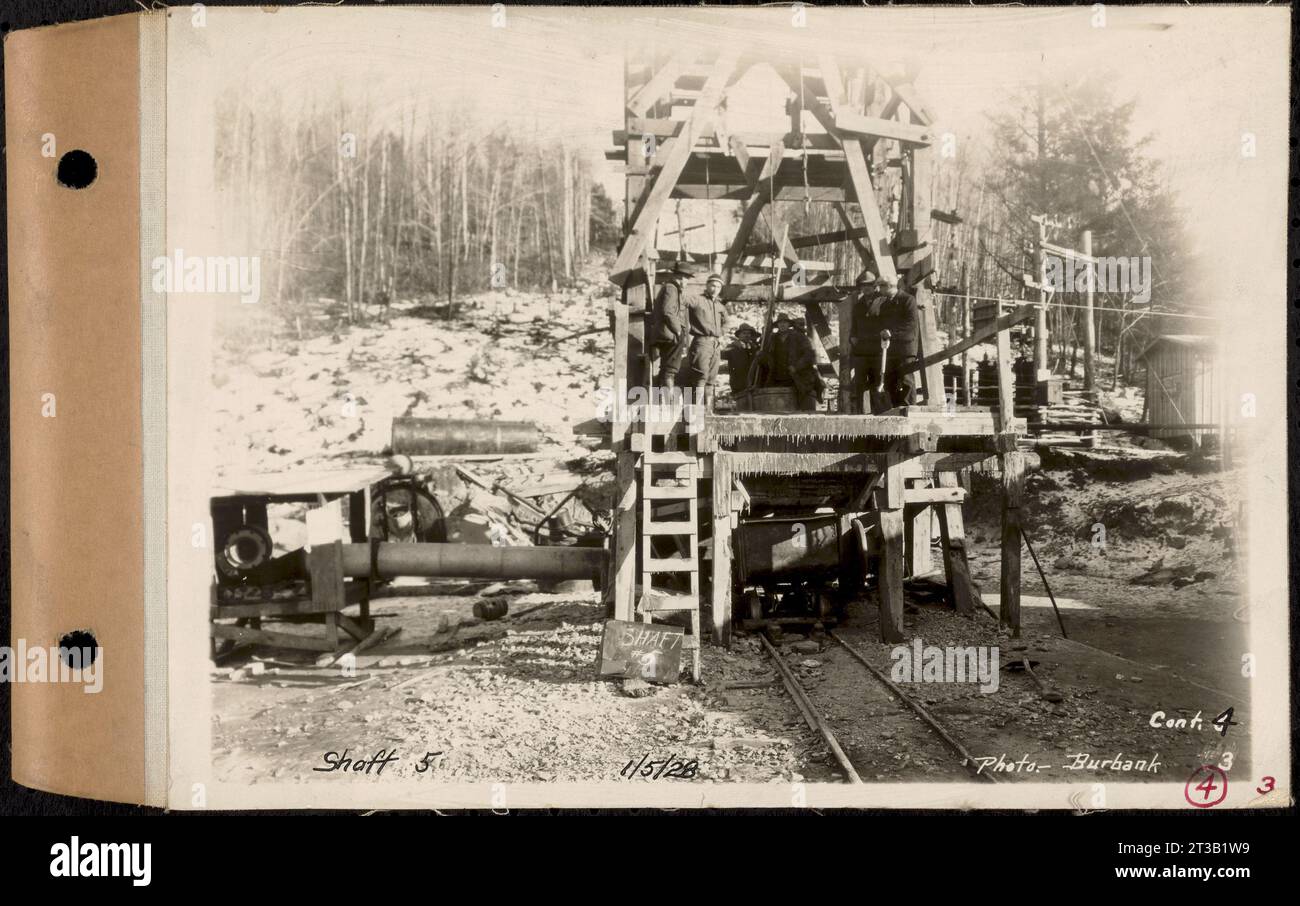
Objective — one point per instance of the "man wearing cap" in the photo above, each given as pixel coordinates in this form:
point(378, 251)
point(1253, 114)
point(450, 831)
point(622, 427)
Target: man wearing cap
point(704, 317)
point(669, 337)
point(864, 342)
point(775, 363)
point(801, 362)
point(901, 317)
point(739, 356)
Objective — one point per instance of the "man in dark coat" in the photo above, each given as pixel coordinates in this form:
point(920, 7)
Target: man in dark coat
point(902, 319)
point(801, 363)
point(864, 343)
point(739, 356)
point(669, 338)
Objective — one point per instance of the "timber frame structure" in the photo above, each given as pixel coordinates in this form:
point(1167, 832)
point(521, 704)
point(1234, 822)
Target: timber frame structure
point(880, 473)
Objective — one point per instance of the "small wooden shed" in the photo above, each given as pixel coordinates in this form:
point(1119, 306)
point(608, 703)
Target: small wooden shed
point(1183, 388)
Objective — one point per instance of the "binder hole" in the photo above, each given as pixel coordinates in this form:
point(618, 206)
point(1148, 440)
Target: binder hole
point(77, 169)
point(73, 643)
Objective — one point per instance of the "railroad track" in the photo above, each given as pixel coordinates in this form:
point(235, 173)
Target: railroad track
point(816, 720)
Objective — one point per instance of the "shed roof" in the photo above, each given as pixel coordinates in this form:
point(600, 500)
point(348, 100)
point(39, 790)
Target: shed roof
point(1188, 340)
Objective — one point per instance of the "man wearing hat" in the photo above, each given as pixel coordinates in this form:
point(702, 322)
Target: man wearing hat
point(801, 362)
point(669, 337)
point(739, 356)
point(864, 343)
point(704, 317)
point(775, 366)
point(901, 317)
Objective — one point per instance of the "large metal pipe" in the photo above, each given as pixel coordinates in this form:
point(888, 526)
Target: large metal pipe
point(475, 561)
point(449, 436)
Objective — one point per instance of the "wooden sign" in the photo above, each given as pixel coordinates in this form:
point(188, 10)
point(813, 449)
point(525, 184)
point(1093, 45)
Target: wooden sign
point(647, 651)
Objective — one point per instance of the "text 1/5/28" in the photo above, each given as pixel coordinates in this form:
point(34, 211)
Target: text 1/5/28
point(661, 768)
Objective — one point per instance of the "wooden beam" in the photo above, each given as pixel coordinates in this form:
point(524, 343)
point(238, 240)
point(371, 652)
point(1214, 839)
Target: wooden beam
point(882, 254)
point(919, 197)
point(916, 528)
point(1010, 319)
point(952, 540)
point(890, 581)
point(1006, 382)
point(1013, 477)
point(875, 127)
point(721, 576)
point(674, 159)
point(625, 536)
point(659, 85)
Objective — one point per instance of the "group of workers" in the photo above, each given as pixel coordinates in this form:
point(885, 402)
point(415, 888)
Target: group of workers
point(685, 343)
point(882, 345)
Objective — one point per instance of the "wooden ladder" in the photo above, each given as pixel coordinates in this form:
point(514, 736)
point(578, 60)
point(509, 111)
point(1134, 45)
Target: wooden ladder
point(671, 510)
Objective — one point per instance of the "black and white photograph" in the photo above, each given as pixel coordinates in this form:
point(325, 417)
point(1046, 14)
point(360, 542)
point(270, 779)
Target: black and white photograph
point(777, 406)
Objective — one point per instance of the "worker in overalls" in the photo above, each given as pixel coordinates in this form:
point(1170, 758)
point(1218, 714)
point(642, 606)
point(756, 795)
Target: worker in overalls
point(669, 338)
point(864, 343)
point(705, 315)
point(902, 318)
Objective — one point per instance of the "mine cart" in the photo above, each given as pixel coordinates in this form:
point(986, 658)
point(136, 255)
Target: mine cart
point(785, 567)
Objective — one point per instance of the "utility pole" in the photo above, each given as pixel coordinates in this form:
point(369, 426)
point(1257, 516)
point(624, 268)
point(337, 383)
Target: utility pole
point(1040, 316)
point(1089, 328)
point(965, 334)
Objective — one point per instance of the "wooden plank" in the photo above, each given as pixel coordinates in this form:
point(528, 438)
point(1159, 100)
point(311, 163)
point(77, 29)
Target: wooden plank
point(1006, 383)
point(659, 84)
point(952, 539)
point(916, 546)
point(720, 593)
point(920, 221)
point(890, 580)
point(1010, 319)
point(668, 528)
point(670, 492)
point(274, 639)
point(875, 127)
point(860, 178)
point(941, 494)
point(656, 601)
point(1013, 474)
point(674, 160)
point(625, 530)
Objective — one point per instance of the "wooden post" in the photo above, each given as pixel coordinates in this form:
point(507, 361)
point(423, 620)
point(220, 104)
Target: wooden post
point(1013, 475)
point(846, 355)
point(965, 333)
point(721, 576)
point(916, 528)
point(625, 533)
point(1089, 328)
point(920, 197)
point(952, 536)
point(1040, 317)
point(1006, 382)
point(889, 501)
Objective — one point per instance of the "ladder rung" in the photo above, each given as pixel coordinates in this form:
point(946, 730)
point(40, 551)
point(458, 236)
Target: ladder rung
point(669, 528)
point(660, 601)
point(670, 565)
point(671, 458)
point(670, 493)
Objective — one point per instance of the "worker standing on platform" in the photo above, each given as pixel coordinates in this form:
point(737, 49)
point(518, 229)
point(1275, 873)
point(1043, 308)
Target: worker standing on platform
point(774, 368)
point(739, 356)
point(864, 343)
point(705, 315)
point(902, 319)
point(669, 336)
point(802, 365)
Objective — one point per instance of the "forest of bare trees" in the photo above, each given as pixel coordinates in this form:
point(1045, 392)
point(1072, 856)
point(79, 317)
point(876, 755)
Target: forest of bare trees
point(345, 204)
